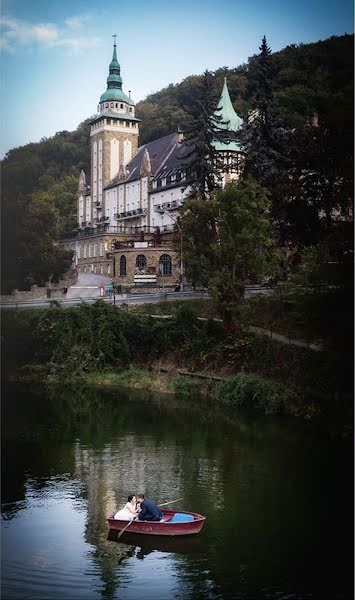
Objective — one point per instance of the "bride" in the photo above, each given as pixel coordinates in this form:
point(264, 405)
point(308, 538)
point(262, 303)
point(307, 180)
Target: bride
point(129, 511)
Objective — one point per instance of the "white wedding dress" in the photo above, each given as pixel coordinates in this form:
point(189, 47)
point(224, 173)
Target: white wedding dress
point(124, 514)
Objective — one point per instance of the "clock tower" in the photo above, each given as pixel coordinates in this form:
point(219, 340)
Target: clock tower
point(114, 137)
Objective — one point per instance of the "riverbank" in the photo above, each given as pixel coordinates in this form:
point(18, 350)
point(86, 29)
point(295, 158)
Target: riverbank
point(226, 395)
point(104, 345)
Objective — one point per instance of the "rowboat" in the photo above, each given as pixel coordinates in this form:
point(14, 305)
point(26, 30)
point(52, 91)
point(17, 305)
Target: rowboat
point(179, 544)
point(172, 523)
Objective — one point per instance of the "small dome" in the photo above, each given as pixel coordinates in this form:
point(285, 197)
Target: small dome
point(117, 95)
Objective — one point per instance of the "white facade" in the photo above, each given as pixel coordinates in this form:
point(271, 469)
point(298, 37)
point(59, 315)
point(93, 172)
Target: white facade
point(164, 205)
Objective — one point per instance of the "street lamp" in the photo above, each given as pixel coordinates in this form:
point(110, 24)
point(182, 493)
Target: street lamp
point(161, 211)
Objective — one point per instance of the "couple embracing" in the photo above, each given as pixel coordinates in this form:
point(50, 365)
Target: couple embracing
point(141, 508)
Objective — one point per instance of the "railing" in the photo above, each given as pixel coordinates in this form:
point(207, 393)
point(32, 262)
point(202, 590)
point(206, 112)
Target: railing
point(130, 214)
point(133, 231)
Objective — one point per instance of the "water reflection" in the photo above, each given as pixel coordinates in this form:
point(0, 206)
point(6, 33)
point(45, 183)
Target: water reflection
point(277, 504)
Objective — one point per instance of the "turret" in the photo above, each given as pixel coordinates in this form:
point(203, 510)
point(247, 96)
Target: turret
point(114, 97)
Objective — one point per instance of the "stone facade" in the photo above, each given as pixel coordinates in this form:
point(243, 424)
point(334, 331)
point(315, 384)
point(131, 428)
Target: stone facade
point(153, 256)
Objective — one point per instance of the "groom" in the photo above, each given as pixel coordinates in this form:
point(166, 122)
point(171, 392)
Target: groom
point(149, 511)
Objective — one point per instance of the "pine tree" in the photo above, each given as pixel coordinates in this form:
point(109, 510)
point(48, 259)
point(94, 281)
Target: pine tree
point(201, 161)
point(260, 135)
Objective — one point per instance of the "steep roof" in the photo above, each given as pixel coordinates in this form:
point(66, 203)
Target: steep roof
point(114, 83)
point(175, 160)
point(229, 121)
point(158, 151)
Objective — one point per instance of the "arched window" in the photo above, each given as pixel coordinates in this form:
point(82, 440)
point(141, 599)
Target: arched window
point(141, 262)
point(85, 251)
point(123, 264)
point(165, 265)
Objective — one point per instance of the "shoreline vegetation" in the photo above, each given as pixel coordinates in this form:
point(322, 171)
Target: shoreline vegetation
point(102, 345)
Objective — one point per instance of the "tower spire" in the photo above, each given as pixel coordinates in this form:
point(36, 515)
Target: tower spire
point(114, 90)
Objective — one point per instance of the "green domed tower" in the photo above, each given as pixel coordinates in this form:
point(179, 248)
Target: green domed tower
point(114, 136)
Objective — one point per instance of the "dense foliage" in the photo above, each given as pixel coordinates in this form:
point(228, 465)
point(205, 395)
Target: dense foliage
point(38, 204)
point(307, 78)
point(59, 344)
point(205, 128)
point(228, 241)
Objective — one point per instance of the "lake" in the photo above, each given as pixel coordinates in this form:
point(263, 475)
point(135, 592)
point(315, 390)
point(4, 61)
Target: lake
point(277, 494)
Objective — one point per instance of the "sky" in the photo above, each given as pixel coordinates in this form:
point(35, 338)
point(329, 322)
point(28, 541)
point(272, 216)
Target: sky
point(55, 53)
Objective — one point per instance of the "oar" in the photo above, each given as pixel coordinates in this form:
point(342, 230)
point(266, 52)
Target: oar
point(171, 502)
point(123, 530)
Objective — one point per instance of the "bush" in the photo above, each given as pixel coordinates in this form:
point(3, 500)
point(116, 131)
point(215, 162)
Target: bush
point(251, 391)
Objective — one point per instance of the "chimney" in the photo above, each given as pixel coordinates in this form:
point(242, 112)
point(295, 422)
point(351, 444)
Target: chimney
point(314, 120)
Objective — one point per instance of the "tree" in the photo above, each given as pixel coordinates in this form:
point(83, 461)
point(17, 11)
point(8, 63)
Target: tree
point(259, 135)
point(244, 250)
point(202, 162)
point(325, 300)
point(313, 190)
point(62, 196)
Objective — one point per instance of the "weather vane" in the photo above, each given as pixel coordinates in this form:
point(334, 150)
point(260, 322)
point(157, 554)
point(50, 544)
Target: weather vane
point(114, 39)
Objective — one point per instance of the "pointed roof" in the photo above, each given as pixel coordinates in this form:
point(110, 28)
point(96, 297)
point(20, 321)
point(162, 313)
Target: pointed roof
point(229, 121)
point(225, 110)
point(114, 82)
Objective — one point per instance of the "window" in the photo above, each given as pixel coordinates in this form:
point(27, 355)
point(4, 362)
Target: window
point(116, 105)
point(90, 251)
point(95, 249)
point(123, 266)
point(121, 105)
point(108, 269)
point(101, 248)
point(79, 250)
point(141, 262)
point(165, 265)
point(85, 251)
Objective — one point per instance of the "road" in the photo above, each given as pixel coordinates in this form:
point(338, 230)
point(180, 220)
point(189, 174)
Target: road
point(86, 289)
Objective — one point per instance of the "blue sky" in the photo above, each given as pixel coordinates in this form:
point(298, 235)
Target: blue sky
point(55, 53)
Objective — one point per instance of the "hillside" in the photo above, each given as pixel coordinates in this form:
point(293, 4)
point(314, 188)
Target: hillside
point(39, 180)
point(308, 78)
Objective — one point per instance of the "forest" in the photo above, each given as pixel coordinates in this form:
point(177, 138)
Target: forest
point(39, 180)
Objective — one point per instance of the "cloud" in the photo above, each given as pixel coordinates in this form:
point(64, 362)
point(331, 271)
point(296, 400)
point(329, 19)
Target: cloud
point(17, 33)
point(76, 22)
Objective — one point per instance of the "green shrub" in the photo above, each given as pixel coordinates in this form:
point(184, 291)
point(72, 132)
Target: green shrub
point(251, 391)
point(185, 387)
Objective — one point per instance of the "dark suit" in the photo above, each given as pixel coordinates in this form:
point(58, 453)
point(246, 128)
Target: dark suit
point(149, 511)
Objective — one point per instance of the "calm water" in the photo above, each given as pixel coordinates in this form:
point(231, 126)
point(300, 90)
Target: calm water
point(277, 495)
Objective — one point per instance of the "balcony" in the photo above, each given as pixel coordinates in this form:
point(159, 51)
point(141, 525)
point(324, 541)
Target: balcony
point(166, 206)
point(98, 204)
point(103, 220)
point(130, 214)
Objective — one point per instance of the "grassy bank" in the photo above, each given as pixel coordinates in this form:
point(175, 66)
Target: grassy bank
point(107, 345)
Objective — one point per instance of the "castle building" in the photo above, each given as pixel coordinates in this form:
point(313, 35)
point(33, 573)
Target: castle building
point(127, 214)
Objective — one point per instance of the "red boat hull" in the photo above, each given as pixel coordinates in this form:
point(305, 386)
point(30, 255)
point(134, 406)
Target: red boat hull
point(162, 527)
